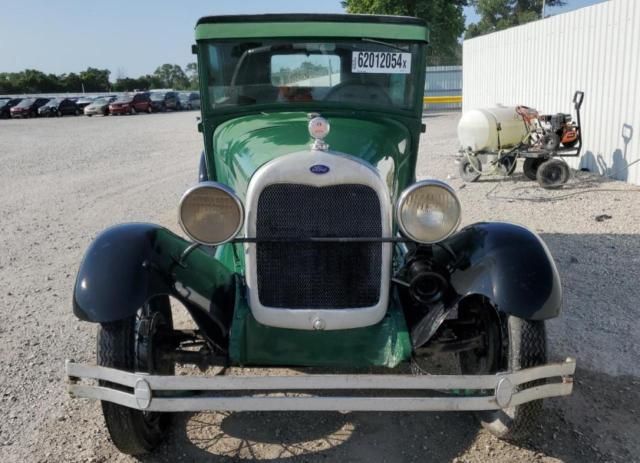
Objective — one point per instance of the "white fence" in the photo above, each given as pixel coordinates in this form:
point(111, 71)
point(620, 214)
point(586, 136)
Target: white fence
point(594, 49)
point(443, 81)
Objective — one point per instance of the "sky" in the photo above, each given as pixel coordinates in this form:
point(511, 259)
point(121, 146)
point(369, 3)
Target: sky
point(129, 37)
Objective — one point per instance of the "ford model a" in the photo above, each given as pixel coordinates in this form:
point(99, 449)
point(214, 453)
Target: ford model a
point(312, 245)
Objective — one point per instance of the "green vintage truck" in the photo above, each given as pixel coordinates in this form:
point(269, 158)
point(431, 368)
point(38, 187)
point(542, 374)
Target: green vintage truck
point(311, 246)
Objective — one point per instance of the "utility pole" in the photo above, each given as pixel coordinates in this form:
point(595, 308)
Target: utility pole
point(544, 4)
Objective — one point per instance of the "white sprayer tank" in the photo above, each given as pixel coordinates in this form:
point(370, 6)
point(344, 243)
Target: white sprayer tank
point(478, 129)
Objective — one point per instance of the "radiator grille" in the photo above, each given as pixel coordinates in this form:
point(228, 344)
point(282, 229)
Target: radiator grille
point(318, 275)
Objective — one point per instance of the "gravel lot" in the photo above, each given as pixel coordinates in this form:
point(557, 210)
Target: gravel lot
point(64, 180)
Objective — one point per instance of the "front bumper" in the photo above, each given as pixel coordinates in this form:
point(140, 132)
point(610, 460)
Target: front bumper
point(220, 393)
point(120, 110)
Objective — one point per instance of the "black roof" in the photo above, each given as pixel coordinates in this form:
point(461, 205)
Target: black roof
point(298, 17)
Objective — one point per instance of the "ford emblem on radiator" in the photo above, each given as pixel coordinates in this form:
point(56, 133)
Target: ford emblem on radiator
point(319, 169)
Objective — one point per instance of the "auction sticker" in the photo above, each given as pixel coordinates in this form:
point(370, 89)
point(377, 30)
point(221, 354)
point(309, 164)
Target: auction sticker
point(380, 62)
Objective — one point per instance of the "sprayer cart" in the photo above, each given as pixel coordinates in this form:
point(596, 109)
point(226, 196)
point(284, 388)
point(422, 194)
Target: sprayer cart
point(493, 139)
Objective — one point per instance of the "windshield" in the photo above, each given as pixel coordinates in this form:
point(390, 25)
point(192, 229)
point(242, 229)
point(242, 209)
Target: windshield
point(53, 102)
point(26, 102)
point(124, 99)
point(364, 72)
point(157, 96)
point(100, 101)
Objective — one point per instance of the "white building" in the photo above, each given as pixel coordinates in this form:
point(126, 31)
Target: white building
point(594, 49)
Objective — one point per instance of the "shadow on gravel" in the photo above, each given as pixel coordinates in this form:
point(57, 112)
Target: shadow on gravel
point(318, 436)
point(523, 189)
point(598, 423)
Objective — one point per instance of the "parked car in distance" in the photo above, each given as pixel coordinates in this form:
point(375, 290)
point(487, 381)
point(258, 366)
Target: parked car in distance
point(84, 101)
point(161, 101)
point(189, 100)
point(5, 106)
point(59, 107)
point(28, 107)
point(131, 104)
point(99, 106)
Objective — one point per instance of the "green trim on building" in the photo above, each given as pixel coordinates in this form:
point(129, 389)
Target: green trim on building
point(330, 30)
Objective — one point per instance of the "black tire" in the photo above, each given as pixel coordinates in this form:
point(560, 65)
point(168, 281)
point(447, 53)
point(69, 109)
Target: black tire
point(530, 167)
point(507, 165)
point(519, 344)
point(149, 109)
point(120, 346)
point(553, 174)
point(470, 168)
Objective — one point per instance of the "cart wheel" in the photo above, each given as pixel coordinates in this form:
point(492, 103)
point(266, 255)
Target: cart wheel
point(507, 165)
point(470, 168)
point(551, 142)
point(552, 174)
point(530, 167)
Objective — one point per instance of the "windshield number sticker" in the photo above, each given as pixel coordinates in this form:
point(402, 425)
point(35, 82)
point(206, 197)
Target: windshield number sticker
point(380, 62)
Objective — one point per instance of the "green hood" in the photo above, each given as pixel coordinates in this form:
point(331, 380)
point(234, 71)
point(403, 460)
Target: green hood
point(244, 144)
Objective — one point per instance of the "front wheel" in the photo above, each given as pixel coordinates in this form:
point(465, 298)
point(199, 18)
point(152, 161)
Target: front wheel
point(470, 168)
point(132, 345)
point(553, 174)
point(512, 344)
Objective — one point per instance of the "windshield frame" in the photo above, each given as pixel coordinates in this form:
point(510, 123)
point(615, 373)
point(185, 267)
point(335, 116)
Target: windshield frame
point(416, 78)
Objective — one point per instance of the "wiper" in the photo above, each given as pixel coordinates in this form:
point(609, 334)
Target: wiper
point(386, 44)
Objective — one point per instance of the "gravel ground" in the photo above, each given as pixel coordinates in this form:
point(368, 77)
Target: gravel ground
point(64, 180)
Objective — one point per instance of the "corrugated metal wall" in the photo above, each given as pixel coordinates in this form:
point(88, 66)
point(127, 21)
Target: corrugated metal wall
point(595, 49)
point(443, 81)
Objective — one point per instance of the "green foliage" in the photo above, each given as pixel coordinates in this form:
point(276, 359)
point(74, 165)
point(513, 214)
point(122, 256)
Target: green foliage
point(444, 18)
point(34, 81)
point(96, 80)
point(497, 15)
point(191, 70)
point(171, 76)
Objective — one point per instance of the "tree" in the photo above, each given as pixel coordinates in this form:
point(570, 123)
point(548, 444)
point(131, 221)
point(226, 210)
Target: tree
point(191, 69)
point(444, 18)
point(171, 76)
point(95, 80)
point(496, 15)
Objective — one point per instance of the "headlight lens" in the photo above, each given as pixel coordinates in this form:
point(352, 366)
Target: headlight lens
point(210, 213)
point(428, 211)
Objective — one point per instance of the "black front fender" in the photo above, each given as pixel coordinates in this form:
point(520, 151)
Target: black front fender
point(508, 264)
point(128, 264)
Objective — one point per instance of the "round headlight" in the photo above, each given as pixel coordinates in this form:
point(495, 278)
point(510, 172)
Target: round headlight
point(210, 213)
point(428, 211)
